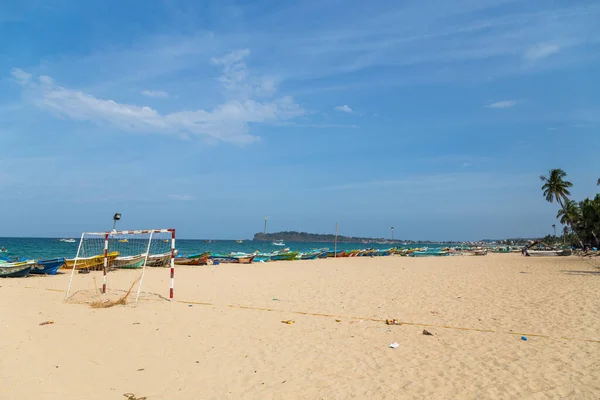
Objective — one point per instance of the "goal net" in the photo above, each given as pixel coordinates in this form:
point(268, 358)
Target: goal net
point(110, 267)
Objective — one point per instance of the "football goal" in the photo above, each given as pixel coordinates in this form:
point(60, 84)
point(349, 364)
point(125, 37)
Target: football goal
point(122, 256)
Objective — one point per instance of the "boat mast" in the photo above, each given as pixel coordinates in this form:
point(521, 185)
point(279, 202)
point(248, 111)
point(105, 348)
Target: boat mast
point(335, 241)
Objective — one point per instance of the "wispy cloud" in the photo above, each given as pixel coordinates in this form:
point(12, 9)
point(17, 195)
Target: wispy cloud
point(540, 51)
point(227, 122)
point(502, 104)
point(21, 76)
point(159, 94)
point(181, 197)
point(345, 108)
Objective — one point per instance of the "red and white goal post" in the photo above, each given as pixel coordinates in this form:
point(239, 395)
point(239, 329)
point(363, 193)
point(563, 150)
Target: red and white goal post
point(130, 249)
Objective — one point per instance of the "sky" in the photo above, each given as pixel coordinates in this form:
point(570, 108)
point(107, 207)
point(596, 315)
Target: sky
point(434, 117)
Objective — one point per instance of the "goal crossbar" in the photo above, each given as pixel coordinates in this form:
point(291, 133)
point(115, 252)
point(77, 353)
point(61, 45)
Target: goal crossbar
point(106, 236)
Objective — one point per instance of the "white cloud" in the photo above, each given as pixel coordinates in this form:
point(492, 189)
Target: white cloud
point(159, 94)
point(345, 108)
point(540, 51)
point(21, 76)
point(225, 122)
point(466, 165)
point(502, 104)
point(181, 197)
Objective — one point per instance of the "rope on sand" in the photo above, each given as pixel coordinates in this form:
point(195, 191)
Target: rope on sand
point(242, 307)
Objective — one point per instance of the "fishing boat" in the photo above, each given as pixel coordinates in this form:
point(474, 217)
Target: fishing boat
point(549, 253)
point(480, 252)
point(193, 259)
point(309, 256)
point(90, 263)
point(16, 269)
point(284, 256)
point(48, 267)
point(278, 243)
point(159, 260)
point(130, 262)
point(67, 240)
point(239, 241)
point(123, 241)
point(262, 257)
point(430, 253)
point(243, 259)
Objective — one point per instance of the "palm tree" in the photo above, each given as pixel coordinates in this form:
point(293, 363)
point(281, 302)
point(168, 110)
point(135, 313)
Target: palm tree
point(570, 214)
point(555, 187)
point(598, 183)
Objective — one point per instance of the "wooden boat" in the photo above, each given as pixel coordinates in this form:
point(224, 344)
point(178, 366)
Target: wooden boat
point(159, 260)
point(16, 270)
point(194, 259)
point(278, 243)
point(262, 257)
point(549, 253)
point(48, 267)
point(91, 263)
point(130, 262)
point(430, 253)
point(310, 256)
point(284, 256)
point(247, 259)
point(480, 252)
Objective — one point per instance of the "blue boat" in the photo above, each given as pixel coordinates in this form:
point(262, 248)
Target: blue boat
point(48, 267)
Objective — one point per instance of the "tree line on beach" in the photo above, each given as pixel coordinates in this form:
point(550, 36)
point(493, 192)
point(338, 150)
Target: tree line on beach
point(581, 220)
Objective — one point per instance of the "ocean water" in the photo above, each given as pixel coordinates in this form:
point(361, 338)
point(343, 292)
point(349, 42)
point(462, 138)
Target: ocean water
point(45, 248)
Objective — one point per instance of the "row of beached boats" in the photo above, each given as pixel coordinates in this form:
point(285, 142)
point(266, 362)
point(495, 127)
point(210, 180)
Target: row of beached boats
point(23, 267)
point(287, 255)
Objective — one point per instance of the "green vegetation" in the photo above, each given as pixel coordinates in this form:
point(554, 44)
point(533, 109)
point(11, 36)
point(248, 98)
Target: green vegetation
point(581, 219)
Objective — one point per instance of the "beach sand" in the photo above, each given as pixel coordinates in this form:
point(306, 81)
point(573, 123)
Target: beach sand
point(222, 337)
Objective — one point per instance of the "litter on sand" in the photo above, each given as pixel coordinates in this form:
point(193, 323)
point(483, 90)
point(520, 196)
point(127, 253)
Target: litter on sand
point(46, 323)
point(427, 333)
point(288, 321)
point(393, 345)
point(131, 396)
point(524, 338)
point(392, 322)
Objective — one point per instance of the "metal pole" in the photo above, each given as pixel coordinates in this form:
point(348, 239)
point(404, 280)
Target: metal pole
point(264, 234)
point(335, 241)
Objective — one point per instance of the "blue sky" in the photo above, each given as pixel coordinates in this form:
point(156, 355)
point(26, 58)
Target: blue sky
point(435, 117)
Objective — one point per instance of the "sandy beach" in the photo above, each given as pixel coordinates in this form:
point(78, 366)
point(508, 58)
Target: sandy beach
point(222, 337)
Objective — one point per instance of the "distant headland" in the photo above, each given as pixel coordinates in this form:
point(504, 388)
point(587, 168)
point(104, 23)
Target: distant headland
point(294, 236)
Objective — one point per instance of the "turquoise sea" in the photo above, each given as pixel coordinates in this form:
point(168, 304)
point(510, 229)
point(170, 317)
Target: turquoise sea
point(44, 248)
